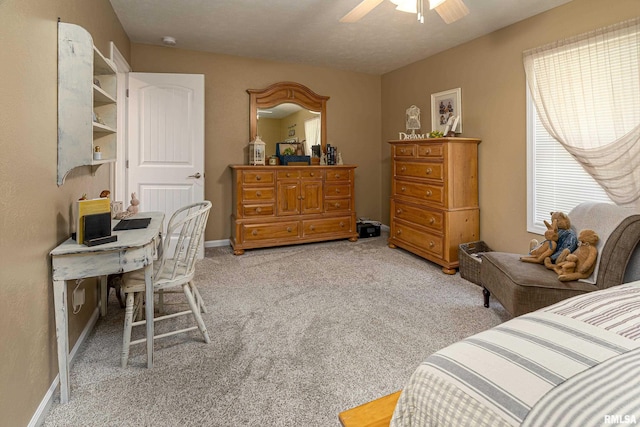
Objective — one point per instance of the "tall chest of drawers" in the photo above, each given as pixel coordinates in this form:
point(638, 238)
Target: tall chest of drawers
point(434, 197)
point(285, 205)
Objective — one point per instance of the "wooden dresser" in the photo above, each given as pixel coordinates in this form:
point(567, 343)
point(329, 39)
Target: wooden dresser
point(285, 205)
point(434, 197)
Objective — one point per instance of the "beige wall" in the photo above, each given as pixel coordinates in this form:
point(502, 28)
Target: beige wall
point(490, 72)
point(353, 118)
point(34, 211)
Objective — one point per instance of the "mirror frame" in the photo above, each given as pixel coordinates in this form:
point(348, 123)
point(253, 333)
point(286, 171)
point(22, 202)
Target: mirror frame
point(291, 92)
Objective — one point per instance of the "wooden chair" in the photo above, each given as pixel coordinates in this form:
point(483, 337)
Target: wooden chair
point(173, 269)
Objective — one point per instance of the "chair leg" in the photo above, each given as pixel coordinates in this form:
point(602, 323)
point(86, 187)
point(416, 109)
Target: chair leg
point(196, 311)
point(199, 299)
point(486, 294)
point(128, 324)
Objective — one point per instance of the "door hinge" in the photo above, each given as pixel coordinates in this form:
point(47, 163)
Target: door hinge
point(126, 164)
point(127, 92)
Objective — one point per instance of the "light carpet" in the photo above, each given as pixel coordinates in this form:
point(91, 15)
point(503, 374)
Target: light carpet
point(299, 334)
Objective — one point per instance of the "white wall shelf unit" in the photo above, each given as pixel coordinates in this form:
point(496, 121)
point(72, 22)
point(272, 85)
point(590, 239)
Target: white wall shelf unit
point(87, 102)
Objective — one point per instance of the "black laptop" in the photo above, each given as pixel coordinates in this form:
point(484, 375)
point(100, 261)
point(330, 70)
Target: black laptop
point(132, 224)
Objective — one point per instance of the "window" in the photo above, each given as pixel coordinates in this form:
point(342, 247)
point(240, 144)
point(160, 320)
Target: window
point(555, 180)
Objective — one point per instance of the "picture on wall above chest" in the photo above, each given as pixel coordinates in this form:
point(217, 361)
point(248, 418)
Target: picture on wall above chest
point(446, 108)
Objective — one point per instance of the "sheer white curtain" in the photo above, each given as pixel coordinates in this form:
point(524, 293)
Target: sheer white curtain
point(311, 134)
point(587, 93)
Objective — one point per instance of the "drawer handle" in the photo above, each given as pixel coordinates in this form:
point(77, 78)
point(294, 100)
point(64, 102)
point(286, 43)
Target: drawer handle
point(337, 205)
point(258, 178)
point(312, 174)
point(288, 229)
point(403, 168)
point(429, 193)
point(254, 232)
point(259, 193)
point(428, 151)
point(431, 244)
point(337, 176)
point(402, 151)
point(337, 191)
point(399, 232)
point(403, 189)
point(341, 224)
point(313, 227)
point(258, 210)
point(429, 170)
point(432, 220)
point(399, 211)
point(288, 174)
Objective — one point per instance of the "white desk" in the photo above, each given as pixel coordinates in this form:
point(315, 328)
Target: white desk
point(134, 250)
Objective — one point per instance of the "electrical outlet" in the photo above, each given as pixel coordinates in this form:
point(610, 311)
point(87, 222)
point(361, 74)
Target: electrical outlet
point(77, 299)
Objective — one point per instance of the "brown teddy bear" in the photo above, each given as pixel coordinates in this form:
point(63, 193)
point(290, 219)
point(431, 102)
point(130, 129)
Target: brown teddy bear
point(580, 263)
point(544, 250)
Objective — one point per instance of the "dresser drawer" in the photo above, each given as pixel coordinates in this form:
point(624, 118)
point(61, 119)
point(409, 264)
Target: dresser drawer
point(432, 193)
point(258, 194)
point(258, 177)
point(422, 239)
point(336, 205)
point(312, 173)
point(337, 190)
point(314, 227)
point(290, 174)
point(258, 210)
point(418, 215)
point(420, 170)
point(408, 150)
point(431, 151)
point(338, 175)
point(279, 230)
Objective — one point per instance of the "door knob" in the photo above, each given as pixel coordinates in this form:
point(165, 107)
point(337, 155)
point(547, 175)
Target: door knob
point(195, 175)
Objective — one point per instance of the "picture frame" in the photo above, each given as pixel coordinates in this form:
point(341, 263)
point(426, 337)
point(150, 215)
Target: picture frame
point(447, 105)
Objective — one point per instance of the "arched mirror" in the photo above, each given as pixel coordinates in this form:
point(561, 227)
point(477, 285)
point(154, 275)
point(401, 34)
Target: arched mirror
point(287, 112)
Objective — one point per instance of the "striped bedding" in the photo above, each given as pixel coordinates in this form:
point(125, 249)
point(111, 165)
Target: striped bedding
point(575, 363)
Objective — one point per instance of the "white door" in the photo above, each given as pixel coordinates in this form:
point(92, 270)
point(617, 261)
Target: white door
point(165, 141)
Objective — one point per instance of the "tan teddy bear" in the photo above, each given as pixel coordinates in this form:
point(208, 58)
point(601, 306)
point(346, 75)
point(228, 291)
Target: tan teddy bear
point(545, 249)
point(580, 263)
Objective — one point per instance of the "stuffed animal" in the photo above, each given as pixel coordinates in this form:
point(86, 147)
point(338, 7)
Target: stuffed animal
point(567, 238)
point(133, 207)
point(580, 263)
point(545, 249)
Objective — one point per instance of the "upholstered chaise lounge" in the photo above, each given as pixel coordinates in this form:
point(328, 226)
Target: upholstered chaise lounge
point(524, 287)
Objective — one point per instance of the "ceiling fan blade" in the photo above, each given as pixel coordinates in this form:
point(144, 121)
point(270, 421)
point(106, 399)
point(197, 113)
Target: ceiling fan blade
point(358, 12)
point(452, 10)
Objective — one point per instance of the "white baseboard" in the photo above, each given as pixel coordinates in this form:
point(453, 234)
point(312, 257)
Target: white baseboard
point(41, 412)
point(216, 243)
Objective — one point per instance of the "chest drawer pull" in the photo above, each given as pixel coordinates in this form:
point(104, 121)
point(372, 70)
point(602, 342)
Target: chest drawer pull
point(337, 176)
point(399, 211)
point(259, 193)
point(288, 174)
point(288, 229)
point(254, 232)
point(432, 220)
point(429, 193)
point(341, 224)
point(337, 204)
point(427, 151)
point(431, 244)
point(429, 170)
point(403, 169)
point(403, 189)
point(312, 174)
point(258, 178)
point(313, 227)
point(258, 210)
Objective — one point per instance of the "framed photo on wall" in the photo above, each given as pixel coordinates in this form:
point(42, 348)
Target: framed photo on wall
point(446, 105)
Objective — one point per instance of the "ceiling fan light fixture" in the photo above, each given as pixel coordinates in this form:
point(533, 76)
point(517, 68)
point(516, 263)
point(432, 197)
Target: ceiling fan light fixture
point(435, 3)
point(409, 6)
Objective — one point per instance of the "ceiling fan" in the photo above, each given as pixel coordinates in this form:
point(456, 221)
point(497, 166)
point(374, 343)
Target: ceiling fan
point(449, 10)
